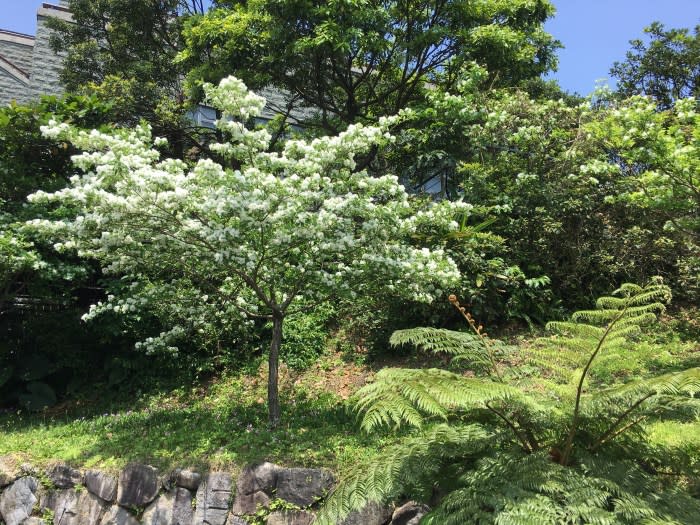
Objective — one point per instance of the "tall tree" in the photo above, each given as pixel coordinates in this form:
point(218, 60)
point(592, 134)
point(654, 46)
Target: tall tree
point(353, 60)
point(666, 68)
point(123, 51)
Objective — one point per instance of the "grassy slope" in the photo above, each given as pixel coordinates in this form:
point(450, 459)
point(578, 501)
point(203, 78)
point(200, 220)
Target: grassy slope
point(220, 425)
point(223, 424)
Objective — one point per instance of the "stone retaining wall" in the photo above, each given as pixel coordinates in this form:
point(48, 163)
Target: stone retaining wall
point(140, 494)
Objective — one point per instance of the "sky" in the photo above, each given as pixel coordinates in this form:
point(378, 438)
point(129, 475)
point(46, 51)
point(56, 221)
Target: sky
point(595, 33)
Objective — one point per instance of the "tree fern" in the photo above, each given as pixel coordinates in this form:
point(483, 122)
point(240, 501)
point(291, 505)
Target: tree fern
point(400, 395)
point(415, 466)
point(620, 315)
point(566, 452)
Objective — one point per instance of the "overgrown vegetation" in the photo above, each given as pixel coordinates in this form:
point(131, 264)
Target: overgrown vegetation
point(417, 153)
point(566, 451)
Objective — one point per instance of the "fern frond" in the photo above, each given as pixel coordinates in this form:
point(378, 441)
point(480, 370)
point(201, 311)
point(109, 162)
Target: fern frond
point(572, 327)
point(403, 396)
point(409, 469)
point(596, 317)
point(637, 319)
point(617, 317)
point(532, 489)
point(460, 344)
point(654, 294)
point(685, 382)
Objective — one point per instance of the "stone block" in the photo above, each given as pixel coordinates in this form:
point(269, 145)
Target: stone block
point(290, 517)
point(213, 497)
point(303, 486)
point(138, 485)
point(64, 477)
point(372, 514)
point(259, 484)
point(409, 513)
point(172, 508)
point(73, 507)
point(187, 479)
point(235, 520)
point(117, 515)
point(17, 501)
point(101, 485)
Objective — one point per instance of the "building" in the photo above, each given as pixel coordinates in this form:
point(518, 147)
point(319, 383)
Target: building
point(28, 66)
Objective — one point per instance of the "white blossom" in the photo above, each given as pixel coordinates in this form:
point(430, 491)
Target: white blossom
point(298, 223)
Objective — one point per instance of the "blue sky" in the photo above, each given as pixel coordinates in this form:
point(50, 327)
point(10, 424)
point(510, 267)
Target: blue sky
point(595, 33)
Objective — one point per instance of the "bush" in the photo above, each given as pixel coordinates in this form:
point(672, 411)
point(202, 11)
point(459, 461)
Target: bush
point(305, 336)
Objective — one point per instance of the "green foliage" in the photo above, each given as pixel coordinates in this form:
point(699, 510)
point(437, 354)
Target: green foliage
point(461, 346)
point(587, 194)
point(47, 515)
point(44, 345)
point(666, 67)
point(277, 504)
point(418, 465)
point(354, 60)
point(129, 61)
point(405, 396)
point(657, 154)
point(558, 452)
point(28, 160)
point(511, 489)
point(138, 43)
point(655, 157)
point(305, 337)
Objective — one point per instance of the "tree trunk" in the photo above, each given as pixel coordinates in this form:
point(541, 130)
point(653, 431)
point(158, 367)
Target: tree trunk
point(273, 399)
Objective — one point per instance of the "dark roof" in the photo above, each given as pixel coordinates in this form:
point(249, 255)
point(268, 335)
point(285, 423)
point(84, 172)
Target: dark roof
point(56, 7)
point(4, 62)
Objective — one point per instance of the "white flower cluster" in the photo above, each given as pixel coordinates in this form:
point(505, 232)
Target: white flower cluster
point(301, 223)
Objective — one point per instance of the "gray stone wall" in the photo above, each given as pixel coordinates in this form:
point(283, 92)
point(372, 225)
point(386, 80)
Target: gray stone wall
point(16, 52)
point(28, 66)
point(141, 495)
point(46, 65)
point(19, 54)
point(13, 89)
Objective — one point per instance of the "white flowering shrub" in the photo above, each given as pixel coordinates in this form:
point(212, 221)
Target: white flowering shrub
point(285, 229)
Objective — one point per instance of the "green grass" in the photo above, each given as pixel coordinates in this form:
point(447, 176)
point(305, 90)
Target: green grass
point(674, 434)
point(223, 424)
point(225, 427)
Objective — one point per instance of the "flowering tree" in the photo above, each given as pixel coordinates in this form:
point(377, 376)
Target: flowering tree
point(283, 231)
point(658, 152)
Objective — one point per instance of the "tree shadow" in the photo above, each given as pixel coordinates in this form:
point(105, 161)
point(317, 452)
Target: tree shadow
point(315, 432)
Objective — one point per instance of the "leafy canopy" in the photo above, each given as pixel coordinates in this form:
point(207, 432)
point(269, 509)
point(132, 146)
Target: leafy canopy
point(666, 67)
point(123, 51)
point(658, 154)
point(355, 60)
